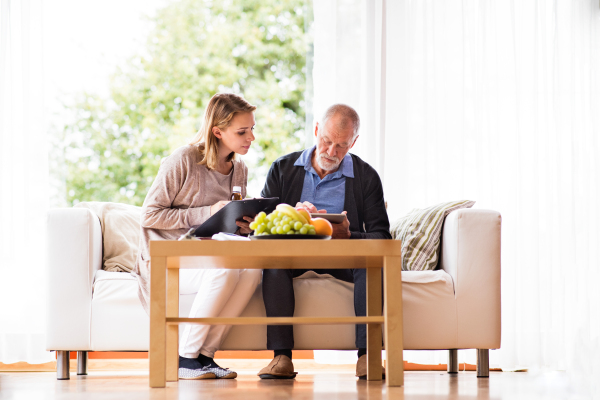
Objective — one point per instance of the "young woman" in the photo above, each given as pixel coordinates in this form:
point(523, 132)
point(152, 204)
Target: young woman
point(193, 183)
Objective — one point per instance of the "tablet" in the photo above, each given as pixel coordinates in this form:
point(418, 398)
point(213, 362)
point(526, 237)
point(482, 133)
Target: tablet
point(333, 218)
point(224, 219)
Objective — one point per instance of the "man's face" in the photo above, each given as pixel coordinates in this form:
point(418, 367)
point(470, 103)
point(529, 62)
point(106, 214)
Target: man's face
point(333, 143)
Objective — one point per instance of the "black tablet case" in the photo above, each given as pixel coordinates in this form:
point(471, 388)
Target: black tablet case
point(224, 219)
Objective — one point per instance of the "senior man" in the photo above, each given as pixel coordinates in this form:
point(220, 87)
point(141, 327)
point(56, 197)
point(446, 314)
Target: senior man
point(329, 179)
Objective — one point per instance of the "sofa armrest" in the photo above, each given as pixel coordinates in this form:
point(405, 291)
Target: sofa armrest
point(471, 255)
point(74, 255)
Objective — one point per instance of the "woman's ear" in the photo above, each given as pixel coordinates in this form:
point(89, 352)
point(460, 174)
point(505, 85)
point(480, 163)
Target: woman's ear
point(217, 132)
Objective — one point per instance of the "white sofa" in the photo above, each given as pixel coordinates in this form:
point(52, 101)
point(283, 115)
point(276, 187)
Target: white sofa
point(454, 307)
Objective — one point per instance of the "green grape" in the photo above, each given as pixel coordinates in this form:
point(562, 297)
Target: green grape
point(286, 228)
point(274, 230)
point(270, 225)
point(261, 216)
point(290, 233)
point(297, 225)
point(307, 226)
point(279, 230)
point(260, 228)
point(303, 230)
point(253, 225)
point(312, 232)
point(276, 221)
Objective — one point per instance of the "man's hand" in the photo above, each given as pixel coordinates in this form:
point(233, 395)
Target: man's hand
point(244, 225)
point(341, 230)
point(310, 208)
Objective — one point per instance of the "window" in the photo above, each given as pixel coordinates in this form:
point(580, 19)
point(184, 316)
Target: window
point(108, 141)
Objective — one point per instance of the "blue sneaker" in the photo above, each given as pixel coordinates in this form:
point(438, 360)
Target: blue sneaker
point(190, 368)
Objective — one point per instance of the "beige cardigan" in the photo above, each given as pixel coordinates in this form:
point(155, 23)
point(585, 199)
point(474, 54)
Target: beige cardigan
point(174, 204)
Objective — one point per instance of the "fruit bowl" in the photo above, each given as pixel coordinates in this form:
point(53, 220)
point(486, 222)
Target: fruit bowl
point(286, 237)
point(285, 222)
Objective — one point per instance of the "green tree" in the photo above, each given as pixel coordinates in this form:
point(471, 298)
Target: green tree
point(256, 48)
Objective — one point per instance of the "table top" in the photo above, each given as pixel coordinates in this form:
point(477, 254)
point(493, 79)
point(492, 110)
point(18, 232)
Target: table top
point(276, 248)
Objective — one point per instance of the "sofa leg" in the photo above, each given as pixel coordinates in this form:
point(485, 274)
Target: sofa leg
point(82, 362)
point(483, 363)
point(453, 361)
point(62, 365)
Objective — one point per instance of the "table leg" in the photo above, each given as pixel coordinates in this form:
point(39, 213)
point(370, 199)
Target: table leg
point(393, 320)
point(158, 266)
point(172, 330)
point(374, 330)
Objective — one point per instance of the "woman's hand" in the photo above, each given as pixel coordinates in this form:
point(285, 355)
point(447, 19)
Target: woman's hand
point(310, 208)
point(244, 225)
point(217, 206)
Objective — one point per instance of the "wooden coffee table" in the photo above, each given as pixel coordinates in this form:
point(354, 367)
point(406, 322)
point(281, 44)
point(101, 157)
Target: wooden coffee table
point(277, 254)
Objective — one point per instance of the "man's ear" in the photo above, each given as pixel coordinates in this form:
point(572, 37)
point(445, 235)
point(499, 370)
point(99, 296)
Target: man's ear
point(316, 128)
point(217, 132)
point(354, 141)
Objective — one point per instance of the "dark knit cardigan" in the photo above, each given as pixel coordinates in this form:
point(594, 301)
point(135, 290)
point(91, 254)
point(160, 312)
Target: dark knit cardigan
point(363, 201)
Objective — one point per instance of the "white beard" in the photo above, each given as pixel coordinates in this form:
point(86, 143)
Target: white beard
point(327, 164)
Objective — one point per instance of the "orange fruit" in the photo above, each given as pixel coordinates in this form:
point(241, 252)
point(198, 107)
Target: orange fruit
point(322, 226)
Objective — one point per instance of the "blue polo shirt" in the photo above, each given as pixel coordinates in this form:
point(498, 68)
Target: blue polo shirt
point(327, 193)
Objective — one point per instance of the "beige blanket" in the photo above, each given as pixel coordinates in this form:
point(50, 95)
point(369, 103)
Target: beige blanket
point(120, 233)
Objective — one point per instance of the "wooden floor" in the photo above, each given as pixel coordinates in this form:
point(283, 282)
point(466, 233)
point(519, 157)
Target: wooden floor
point(327, 383)
point(316, 381)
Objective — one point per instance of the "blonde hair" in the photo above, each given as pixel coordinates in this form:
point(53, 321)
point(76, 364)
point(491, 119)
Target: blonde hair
point(221, 109)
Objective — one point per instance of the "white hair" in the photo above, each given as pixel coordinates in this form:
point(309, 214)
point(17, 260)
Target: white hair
point(348, 114)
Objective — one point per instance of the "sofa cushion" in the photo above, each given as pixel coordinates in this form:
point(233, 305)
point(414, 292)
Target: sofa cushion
point(120, 233)
point(420, 232)
point(119, 323)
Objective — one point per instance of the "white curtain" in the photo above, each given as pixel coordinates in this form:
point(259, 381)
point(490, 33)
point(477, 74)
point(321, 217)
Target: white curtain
point(23, 184)
point(498, 102)
point(348, 68)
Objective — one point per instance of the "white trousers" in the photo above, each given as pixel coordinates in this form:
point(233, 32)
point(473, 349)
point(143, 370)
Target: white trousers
point(219, 293)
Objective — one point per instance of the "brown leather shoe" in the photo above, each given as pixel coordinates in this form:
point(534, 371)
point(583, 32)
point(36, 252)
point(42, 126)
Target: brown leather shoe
point(361, 368)
point(280, 368)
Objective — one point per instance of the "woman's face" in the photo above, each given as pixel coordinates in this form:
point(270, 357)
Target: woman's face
point(238, 136)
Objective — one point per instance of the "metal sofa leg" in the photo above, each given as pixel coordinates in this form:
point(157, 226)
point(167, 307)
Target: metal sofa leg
point(483, 363)
point(453, 361)
point(62, 365)
point(82, 362)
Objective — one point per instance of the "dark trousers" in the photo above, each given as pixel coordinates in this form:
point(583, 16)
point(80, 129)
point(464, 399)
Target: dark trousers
point(278, 295)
